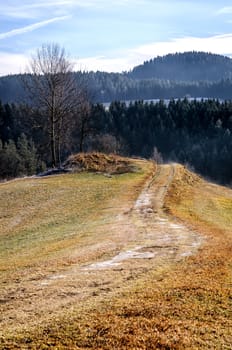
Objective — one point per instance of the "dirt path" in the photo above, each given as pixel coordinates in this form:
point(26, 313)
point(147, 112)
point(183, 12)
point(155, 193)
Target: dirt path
point(156, 235)
point(142, 239)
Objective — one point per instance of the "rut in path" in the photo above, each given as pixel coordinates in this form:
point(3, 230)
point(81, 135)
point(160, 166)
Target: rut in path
point(152, 197)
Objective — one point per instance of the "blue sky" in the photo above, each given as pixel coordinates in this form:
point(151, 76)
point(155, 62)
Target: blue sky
point(112, 35)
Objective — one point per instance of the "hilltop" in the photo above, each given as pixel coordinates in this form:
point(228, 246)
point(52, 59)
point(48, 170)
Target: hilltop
point(187, 66)
point(139, 259)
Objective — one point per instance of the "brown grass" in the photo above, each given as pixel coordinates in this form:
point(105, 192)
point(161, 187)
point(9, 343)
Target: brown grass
point(99, 162)
point(184, 306)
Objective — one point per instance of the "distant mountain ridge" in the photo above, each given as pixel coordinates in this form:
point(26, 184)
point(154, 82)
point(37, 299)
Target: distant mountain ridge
point(195, 74)
point(187, 66)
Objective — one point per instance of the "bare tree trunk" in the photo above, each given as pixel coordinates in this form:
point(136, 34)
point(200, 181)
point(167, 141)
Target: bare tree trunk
point(52, 87)
point(82, 131)
point(53, 129)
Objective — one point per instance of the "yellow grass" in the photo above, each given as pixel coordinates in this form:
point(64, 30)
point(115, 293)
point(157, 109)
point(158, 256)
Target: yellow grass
point(186, 305)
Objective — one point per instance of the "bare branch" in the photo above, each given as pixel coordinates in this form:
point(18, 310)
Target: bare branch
point(53, 89)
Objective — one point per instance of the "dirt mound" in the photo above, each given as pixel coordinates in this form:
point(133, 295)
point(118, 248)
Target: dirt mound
point(99, 162)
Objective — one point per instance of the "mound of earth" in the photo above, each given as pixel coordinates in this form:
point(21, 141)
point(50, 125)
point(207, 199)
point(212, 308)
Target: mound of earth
point(99, 162)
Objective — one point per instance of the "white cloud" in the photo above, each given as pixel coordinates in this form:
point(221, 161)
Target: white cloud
point(225, 10)
point(220, 44)
point(31, 27)
point(103, 63)
point(12, 63)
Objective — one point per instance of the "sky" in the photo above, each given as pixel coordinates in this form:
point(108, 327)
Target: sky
point(112, 35)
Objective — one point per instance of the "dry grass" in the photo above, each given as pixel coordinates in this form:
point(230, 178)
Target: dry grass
point(44, 217)
point(184, 306)
point(99, 162)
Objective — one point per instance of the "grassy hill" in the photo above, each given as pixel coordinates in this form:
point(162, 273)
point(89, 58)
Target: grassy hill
point(139, 259)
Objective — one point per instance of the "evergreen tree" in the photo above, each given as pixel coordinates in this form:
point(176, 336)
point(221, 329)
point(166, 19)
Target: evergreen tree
point(9, 161)
point(28, 156)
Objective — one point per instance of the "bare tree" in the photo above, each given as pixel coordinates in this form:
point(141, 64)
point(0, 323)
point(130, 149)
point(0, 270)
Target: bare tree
point(53, 90)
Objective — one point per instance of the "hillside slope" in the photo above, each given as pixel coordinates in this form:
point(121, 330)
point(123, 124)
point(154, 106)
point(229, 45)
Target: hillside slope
point(136, 260)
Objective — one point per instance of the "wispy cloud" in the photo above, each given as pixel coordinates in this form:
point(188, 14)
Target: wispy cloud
point(225, 10)
point(35, 9)
point(31, 27)
point(50, 3)
point(220, 44)
point(56, 3)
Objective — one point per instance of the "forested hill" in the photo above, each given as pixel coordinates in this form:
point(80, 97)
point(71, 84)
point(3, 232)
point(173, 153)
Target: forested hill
point(188, 66)
point(194, 74)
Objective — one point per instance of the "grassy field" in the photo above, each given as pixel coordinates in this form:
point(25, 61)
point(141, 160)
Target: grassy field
point(49, 225)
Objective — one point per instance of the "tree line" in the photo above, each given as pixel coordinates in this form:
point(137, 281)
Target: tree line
point(192, 132)
point(195, 133)
point(109, 87)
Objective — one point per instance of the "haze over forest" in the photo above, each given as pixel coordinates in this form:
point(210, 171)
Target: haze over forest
point(193, 74)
